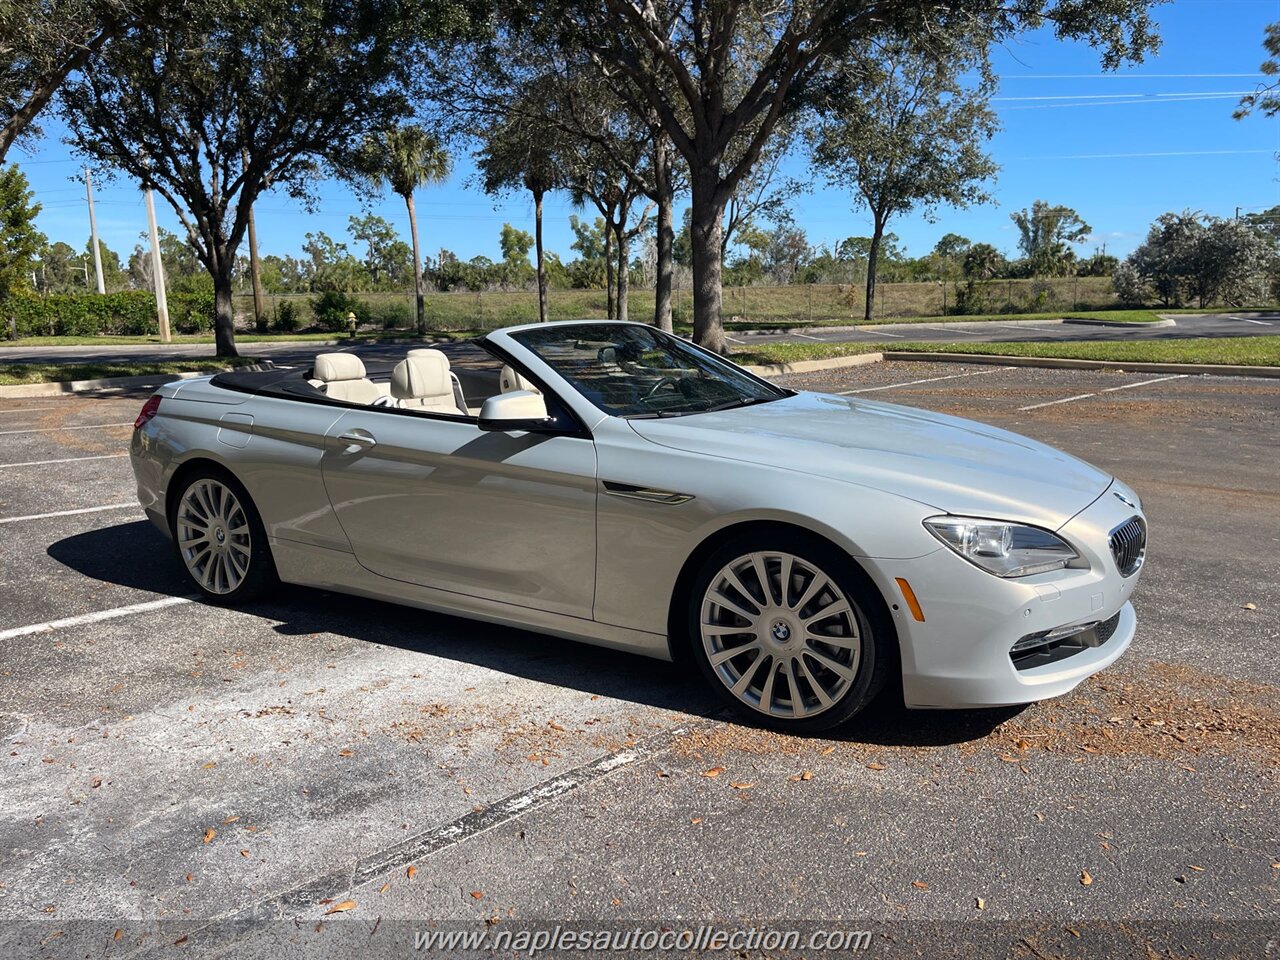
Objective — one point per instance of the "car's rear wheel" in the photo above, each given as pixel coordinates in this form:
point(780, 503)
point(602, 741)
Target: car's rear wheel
point(788, 632)
point(220, 539)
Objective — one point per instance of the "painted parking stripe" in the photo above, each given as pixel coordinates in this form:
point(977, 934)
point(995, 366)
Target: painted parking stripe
point(1143, 383)
point(733, 339)
point(912, 383)
point(1086, 396)
point(96, 617)
point(1051, 403)
point(952, 328)
point(805, 336)
point(69, 513)
point(41, 463)
point(1261, 323)
point(92, 426)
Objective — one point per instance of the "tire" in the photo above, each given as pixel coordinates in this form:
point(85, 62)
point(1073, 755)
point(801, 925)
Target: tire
point(798, 669)
point(220, 540)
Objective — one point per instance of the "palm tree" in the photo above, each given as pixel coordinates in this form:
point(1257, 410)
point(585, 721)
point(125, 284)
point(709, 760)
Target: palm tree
point(405, 159)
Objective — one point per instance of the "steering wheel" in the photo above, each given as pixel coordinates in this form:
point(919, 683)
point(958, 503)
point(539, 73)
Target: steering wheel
point(671, 382)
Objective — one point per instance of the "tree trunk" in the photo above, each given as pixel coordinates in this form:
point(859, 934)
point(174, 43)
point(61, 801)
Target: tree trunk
point(666, 239)
point(873, 255)
point(705, 233)
point(224, 317)
point(608, 270)
point(624, 273)
point(419, 297)
point(542, 263)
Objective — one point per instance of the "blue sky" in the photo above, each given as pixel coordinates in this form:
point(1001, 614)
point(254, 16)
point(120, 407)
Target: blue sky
point(1120, 148)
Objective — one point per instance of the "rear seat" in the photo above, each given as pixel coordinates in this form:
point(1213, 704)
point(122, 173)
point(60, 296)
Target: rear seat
point(422, 381)
point(342, 377)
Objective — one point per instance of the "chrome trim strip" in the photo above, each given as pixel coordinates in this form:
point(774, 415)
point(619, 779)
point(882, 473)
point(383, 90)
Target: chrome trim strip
point(632, 492)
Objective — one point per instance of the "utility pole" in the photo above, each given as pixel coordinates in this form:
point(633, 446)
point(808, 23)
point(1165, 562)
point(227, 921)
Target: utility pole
point(93, 230)
point(255, 267)
point(157, 269)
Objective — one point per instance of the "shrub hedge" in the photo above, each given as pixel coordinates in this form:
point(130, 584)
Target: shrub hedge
point(131, 313)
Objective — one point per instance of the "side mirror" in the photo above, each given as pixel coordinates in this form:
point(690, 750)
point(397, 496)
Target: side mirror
point(517, 410)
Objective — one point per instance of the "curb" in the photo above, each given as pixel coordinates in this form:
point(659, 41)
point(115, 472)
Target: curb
point(1059, 363)
point(1162, 322)
point(62, 388)
point(812, 366)
point(948, 321)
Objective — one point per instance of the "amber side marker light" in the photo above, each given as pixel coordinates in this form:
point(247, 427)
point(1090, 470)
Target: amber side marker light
point(910, 596)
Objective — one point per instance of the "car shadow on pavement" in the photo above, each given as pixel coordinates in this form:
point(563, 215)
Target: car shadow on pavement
point(106, 555)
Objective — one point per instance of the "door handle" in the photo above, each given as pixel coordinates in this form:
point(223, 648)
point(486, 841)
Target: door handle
point(358, 439)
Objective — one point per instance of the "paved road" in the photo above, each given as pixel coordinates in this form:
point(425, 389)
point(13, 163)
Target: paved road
point(1221, 325)
point(224, 780)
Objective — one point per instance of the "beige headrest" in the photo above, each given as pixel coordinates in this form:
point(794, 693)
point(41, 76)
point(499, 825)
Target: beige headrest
point(422, 374)
point(331, 367)
point(509, 381)
point(428, 352)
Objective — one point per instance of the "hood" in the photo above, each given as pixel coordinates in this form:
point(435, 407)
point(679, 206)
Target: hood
point(958, 466)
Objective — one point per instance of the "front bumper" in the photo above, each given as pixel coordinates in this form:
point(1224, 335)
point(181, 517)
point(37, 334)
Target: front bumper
point(959, 656)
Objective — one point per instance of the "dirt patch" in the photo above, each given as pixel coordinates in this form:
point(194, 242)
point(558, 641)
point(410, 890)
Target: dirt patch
point(1169, 712)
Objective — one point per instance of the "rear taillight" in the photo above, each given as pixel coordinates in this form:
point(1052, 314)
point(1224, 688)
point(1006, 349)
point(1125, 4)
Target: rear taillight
point(149, 410)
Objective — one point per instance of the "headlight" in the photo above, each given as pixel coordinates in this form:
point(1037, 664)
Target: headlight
point(1005, 549)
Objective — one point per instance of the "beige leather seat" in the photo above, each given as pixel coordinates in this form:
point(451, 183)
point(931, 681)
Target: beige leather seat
point(509, 380)
point(422, 381)
point(458, 397)
point(341, 376)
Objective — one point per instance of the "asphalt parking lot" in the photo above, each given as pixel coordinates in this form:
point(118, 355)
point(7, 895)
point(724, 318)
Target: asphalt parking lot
point(321, 775)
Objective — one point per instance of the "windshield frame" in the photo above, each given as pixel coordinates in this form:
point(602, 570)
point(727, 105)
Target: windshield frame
point(721, 369)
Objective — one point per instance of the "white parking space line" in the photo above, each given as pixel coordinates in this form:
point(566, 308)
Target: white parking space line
point(882, 333)
point(951, 328)
point(1261, 323)
point(1086, 396)
point(1051, 403)
point(41, 463)
point(69, 513)
point(911, 383)
point(29, 409)
point(807, 337)
point(733, 339)
point(98, 617)
point(1143, 383)
point(92, 426)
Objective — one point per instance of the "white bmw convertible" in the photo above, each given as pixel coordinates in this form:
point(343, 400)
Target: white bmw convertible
point(617, 485)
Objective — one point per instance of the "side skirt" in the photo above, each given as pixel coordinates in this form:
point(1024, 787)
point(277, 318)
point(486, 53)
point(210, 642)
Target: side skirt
point(311, 566)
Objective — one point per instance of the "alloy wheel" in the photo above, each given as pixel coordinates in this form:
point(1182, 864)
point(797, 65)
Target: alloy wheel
point(213, 536)
point(780, 634)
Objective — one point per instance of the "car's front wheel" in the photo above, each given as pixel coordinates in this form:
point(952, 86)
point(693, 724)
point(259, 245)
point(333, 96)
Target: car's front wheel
point(788, 632)
point(220, 539)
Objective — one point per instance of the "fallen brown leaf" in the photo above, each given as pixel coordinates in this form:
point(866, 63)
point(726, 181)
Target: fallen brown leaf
point(180, 941)
point(118, 934)
point(875, 766)
point(384, 888)
point(697, 820)
point(346, 753)
point(210, 834)
point(1250, 606)
point(919, 884)
point(231, 819)
point(477, 895)
point(828, 751)
point(1086, 878)
point(411, 872)
point(342, 907)
point(741, 786)
point(979, 903)
point(244, 853)
point(713, 772)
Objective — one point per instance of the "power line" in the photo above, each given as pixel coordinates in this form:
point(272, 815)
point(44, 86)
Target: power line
point(1130, 76)
point(1120, 103)
point(1160, 153)
point(1113, 96)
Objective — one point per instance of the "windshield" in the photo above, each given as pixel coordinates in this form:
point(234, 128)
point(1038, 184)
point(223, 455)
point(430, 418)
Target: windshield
point(635, 371)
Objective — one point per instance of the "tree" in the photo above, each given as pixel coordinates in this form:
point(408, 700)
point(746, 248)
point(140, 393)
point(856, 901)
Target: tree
point(1267, 97)
point(387, 257)
point(1187, 257)
point(949, 254)
point(42, 42)
point(1045, 233)
point(406, 158)
point(240, 97)
point(20, 241)
point(521, 148)
point(901, 127)
point(982, 261)
point(515, 245)
point(729, 72)
point(332, 267)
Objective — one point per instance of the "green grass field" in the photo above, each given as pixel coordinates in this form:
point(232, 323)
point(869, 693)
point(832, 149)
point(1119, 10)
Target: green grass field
point(1250, 351)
